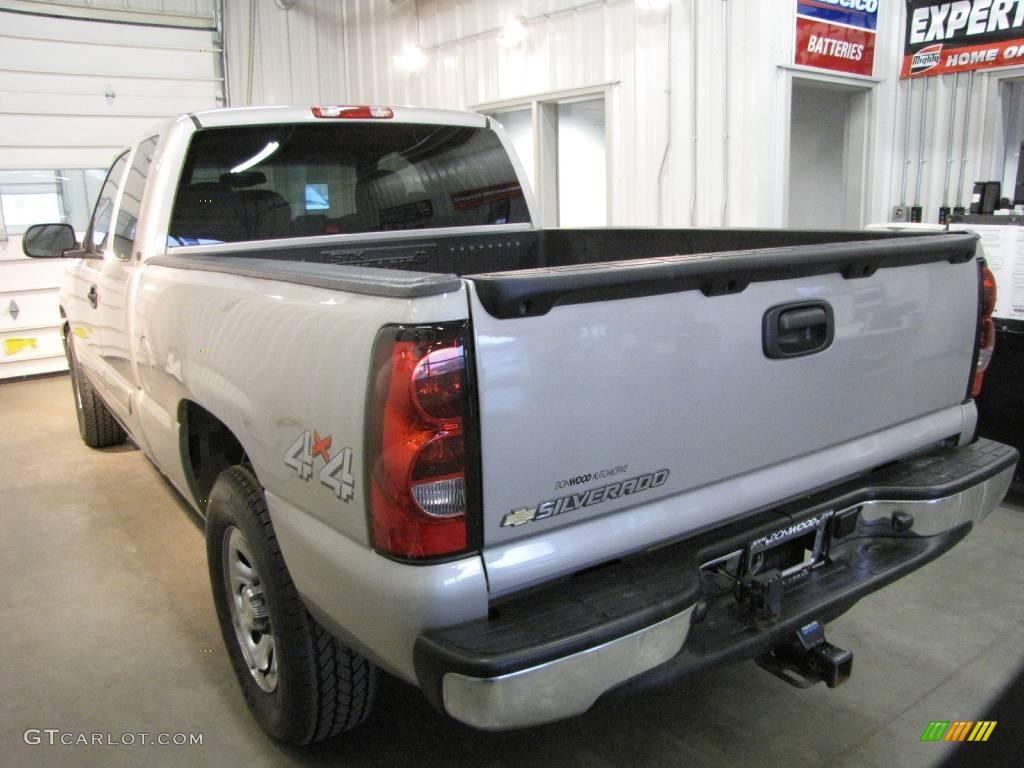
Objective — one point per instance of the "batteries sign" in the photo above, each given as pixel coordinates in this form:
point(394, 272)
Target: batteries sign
point(837, 35)
point(945, 36)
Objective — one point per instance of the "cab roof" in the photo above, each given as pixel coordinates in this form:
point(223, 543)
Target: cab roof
point(224, 117)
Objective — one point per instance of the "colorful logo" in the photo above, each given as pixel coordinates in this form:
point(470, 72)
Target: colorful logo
point(925, 59)
point(958, 730)
point(336, 472)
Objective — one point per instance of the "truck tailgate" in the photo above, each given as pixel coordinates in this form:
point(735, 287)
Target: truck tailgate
point(604, 387)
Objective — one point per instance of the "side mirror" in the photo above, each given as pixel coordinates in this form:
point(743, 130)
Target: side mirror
point(48, 241)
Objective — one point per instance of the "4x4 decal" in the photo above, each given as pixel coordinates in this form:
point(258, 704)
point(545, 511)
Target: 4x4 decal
point(336, 472)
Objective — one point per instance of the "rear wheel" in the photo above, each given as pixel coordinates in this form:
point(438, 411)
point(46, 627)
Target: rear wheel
point(96, 424)
point(301, 684)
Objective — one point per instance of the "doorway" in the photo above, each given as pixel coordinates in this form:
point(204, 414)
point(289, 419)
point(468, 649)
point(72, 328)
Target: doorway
point(827, 155)
point(1012, 168)
point(561, 142)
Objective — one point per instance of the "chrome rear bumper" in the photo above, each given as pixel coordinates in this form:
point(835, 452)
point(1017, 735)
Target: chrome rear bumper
point(455, 668)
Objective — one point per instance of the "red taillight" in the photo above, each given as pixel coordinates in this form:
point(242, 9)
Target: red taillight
point(418, 409)
point(986, 329)
point(354, 113)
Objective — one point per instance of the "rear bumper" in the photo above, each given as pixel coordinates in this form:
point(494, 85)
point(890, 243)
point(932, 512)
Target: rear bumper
point(550, 653)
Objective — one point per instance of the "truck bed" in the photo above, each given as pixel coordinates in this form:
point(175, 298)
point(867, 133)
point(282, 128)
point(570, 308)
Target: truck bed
point(526, 272)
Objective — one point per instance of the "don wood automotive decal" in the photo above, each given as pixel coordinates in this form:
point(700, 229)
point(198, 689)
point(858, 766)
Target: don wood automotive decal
point(335, 466)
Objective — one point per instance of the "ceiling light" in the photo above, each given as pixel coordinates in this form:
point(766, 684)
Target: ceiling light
point(411, 59)
point(513, 33)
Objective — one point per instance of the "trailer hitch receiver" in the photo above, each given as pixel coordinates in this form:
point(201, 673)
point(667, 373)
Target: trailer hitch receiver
point(809, 659)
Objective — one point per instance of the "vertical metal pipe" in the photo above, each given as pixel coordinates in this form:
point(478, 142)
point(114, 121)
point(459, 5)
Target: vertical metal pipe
point(725, 114)
point(920, 142)
point(668, 119)
point(694, 39)
point(967, 134)
point(949, 140)
point(345, 58)
point(906, 143)
point(1009, 122)
point(3, 224)
point(251, 53)
point(218, 14)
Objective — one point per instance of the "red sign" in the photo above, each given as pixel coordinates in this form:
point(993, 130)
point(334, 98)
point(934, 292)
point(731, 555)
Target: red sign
point(835, 47)
point(940, 59)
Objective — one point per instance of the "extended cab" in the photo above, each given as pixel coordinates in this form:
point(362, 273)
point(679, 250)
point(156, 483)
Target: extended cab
point(513, 466)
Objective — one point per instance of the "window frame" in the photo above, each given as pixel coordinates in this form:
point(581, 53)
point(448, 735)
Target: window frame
point(187, 174)
point(545, 142)
point(122, 188)
point(88, 247)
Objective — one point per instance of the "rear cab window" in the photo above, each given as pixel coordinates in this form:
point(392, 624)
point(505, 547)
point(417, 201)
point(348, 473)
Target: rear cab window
point(265, 182)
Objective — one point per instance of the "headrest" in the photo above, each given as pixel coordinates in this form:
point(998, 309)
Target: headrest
point(243, 179)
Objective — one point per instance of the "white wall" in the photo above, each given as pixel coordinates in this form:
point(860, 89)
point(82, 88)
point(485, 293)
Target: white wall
point(817, 154)
point(728, 160)
point(582, 172)
point(323, 51)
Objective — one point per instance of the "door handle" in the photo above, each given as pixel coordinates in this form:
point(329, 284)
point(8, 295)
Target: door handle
point(794, 330)
point(93, 296)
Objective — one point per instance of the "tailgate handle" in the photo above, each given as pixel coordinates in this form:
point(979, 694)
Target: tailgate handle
point(795, 330)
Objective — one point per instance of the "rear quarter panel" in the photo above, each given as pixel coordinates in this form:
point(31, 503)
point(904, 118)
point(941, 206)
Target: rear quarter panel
point(271, 360)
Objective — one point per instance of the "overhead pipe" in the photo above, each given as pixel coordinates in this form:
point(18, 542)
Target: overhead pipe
point(725, 114)
point(694, 39)
point(668, 119)
point(963, 144)
point(920, 143)
point(251, 64)
point(895, 129)
point(906, 143)
point(949, 140)
point(218, 15)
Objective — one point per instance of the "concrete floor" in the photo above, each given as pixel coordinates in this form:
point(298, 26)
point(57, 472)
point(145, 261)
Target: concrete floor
point(108, 627)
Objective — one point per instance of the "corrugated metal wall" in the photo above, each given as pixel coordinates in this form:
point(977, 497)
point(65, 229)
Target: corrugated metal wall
point(72, 92)
point(959, 141)
point(323, 51)
point(342, 51)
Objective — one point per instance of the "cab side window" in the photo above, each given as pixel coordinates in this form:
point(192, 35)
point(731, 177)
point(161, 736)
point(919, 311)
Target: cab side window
point(102, 215)
point(131, 200)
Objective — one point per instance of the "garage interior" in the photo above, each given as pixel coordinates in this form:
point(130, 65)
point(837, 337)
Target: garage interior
point(667, 113)
point(110, 627)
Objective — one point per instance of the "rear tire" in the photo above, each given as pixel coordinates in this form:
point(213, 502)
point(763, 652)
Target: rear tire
point(301, 684)
point(96, 424)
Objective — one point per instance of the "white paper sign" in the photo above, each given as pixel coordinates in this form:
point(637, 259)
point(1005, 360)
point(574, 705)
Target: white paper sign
point(1004, 252)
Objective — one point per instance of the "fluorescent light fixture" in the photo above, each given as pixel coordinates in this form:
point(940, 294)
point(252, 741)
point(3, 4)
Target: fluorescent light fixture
point(652, 5)
point(259, 157)
point(513, 33)
point(411, 59)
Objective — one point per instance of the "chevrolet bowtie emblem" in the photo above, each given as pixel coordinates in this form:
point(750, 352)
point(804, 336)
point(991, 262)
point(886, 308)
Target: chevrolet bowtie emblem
point(518, 517)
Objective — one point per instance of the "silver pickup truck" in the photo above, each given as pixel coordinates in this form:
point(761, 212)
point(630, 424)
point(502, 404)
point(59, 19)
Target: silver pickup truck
point(513, 466)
